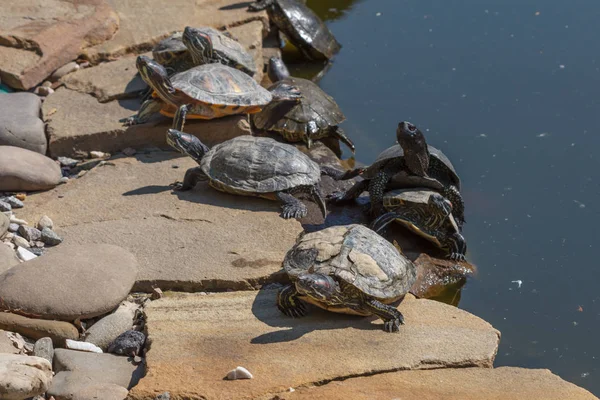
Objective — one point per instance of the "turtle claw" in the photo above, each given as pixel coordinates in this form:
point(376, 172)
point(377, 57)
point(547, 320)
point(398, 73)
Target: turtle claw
point(177, 186)
point(293, 211)
point(392, 325)
point(457, 257)
point(129, 121)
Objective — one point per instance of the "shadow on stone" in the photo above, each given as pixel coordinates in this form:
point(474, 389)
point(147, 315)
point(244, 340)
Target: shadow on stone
point(151, 189)
point(236, 6)
point(265, 309)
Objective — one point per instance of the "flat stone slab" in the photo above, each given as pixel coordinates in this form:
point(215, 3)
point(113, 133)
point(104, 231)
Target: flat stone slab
point(506, 383)
point(194, 240)
point(78, 124)
point(39, 36)
point(69, 282)
point(20, 122)
point(196, 340)
point(142, 27)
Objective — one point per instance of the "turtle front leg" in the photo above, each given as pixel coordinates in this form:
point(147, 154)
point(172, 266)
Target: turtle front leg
point(292, 207)
point(339, 134)
point(350, 194)
point(456, 246)
point(458, 205)
point(391, 317)
point(180, 114)
point(190, 180)
point(289, 303)
point(147, 108)
point(376, 189)
point(338, 175)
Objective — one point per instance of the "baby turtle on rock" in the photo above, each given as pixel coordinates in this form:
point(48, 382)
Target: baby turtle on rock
point(254, 166)
point(302, 26)
point(347, 269)
point(316, 116)
point(426, 213)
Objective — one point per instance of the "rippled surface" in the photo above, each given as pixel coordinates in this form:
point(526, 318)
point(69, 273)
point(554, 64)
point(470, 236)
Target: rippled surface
point(509, 91)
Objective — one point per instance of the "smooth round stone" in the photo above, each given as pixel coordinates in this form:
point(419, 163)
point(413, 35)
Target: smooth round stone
point(20, 123)
point(25, 170)
point(49, 237)
point(70, 282)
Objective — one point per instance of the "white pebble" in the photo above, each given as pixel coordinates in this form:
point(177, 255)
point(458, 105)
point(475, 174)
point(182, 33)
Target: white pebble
point(64, 179)
point(25, 254)
point(239, 373)
point(83, 346)
point(16, 220)
point(97, 154)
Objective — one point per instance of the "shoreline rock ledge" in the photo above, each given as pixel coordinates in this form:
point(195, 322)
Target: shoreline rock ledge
point(70, 282)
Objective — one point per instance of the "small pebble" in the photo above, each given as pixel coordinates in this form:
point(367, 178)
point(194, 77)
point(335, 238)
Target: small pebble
point(45, 222)
point(67, 162)
point(19, 241)
point(4, 206)
point(50, 237)
point(156, 294)
point(137, 360)
point(97, 154)
point(43, 91)
point(43, 348)
point(39, 244)
point(163, 396)
point(13, 227)
point(29, 233)
point(129, 151)
point(64, 179)
point(47, 84)
point(128, 343)
point(18, 221)
point(38, 251)
point(239, 373)
point(65, 69)
point(81, 173)
point(21, 196)
point(25, 254)
point(14, 201)
point(84, 64)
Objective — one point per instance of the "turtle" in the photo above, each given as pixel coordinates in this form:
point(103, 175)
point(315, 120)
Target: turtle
point(174, 51)
point(316, 116)
point(428, 214)
point(377, 176)
point(302, 27)
point(252, 166)
point(206, 91)
point(346, 269)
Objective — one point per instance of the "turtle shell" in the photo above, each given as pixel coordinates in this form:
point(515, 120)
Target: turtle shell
point(220, 85)
point(356, 255)
point(248, 164)
point(171, 50)
point(304, 28)
point(440, 166)
point(316, 105)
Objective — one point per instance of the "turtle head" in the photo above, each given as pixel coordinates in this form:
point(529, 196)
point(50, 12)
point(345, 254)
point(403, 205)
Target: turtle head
point(416, 153)
point(187, 144)
point(154, 74)
point(441, 204)
point(199, 45)
point(322, 288)
point(277, 69)
point(407, 133)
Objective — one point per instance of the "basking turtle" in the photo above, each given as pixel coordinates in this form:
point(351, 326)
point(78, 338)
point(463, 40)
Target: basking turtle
point(175, 51)
point(441, 176)
point(252, 166)
point(428, 214)
point(302, 26)
point(316, 116)
point(207, 91)
point(377, 176)
point(346, 269)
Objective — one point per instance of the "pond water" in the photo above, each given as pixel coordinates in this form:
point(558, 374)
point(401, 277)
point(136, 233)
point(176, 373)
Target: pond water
point(508, 90)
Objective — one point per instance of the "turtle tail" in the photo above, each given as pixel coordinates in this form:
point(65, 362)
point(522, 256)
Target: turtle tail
point(318, 198)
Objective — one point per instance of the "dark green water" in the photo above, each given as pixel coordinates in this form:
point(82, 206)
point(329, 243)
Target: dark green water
point(509, 91)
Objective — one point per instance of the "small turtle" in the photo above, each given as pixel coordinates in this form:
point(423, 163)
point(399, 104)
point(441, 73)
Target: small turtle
point(174, 51)
point(428, 214)
point(207, 91)
point(377, 176)
point(252, 166)
point(302, 26)
point(346, 269)
point(316, 116)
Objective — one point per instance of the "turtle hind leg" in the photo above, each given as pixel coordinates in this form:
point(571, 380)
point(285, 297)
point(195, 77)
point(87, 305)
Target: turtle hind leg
point(292, 207)
point(458, 204)
point(146, 110)
point(338, 175)
point(339, 134)
point(456, 247)
point(289, 303)
point(350, 194)
point(190, 180)
point(391, 317)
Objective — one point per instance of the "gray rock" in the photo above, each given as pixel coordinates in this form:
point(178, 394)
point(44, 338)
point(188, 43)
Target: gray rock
point(106, 330)
point(43, 90)
point(129, 343)
point(38, 251)
point(4, 206)
point(13, 201)
point(50, 237)
point(23, 376)
point(163, 396)
point(8, 258)
point(30, 233)
point(13, 227)
point(70, 282)
point(101, 367)
point(78, 386)
point(45, 222)
point(4, 223)
point(20, 241)
point(67, 162)
point(25, 170)
point(20, 123)
point(43, 348)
